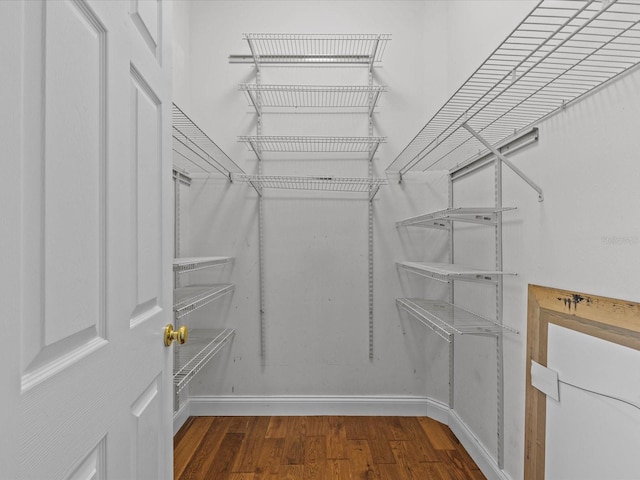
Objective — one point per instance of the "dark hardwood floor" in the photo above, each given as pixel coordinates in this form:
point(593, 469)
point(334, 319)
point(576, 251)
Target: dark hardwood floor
point(326, 448)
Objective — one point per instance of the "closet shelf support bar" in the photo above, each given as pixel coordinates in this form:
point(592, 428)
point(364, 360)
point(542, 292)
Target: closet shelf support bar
point(504, 160)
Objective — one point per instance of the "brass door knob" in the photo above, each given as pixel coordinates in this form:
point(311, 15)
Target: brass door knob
point(180, 335)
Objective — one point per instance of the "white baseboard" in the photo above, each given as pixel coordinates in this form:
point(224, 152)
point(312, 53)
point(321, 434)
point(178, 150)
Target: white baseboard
point(315, 405)
point(181, 416)
point(401, 406)
point(472, 445)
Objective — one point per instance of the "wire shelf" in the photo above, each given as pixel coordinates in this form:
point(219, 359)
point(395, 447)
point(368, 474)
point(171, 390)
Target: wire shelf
point(289, 143)
point(191, 298)
point(190, 264)
point(270, 48)
point(312, 96)
point(327, 183)
point(195, 152)
point(448, 271)
point(446, 319)
point(558, 53)
point(443, 218)
point(200, 348)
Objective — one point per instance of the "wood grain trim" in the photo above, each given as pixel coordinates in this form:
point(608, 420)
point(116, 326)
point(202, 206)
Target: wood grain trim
point(616, 321)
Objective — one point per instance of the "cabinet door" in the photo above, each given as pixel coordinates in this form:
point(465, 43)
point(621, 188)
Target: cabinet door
point(85, 242)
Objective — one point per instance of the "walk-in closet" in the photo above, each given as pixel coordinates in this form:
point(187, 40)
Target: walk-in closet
point(328, 239)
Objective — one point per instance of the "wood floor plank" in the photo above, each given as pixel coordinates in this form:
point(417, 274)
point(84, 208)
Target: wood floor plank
point(315, 458)
point(277, 427)
point(301, 448)
point(187, 443)
point(361, 460)
point(336, 437)
point(436, 432)
point(183, 430)
point(270, 458)
point(294, 442)
point(204, 454)
point(417, 436)
point(378, 438)
point(251, 448)
point(390, 471)
point(339, 469)
point(222, 462)
point(289, 472)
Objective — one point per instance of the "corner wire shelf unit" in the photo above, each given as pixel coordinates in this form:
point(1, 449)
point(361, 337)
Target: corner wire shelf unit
point(202, 346)
point(191, 264)
point(364, 97)
point(442, 219)
point(319, 49)
point(325, 183)
point(445, 272)
point(558, 53)
point(195, 152)
point(446, 319)
point(190, 298)
point(300, 144)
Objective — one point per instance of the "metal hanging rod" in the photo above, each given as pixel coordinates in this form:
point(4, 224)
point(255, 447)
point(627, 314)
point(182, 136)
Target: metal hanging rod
point(326, 183)
point(312, 96)
point(195, 151)
point(558, 53)
point(269, 48)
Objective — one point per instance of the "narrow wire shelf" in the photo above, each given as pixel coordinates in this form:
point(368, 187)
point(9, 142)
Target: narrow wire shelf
point(190, 264)
point(312, 96)
point(326, 183)
point(446, 319)
point(558, 53)
point(443, 218)
point(191, 298)
point(195, 152)
point(290, 143)
point(270, 48)
point(445, 272)
point(201, 347)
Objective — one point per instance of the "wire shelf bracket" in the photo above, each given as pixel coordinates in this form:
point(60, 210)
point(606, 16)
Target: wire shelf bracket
point(557, 54)
point(504, 160)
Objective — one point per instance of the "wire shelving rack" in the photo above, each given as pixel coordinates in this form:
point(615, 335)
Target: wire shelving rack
point(446, 319)
point(261, 96)
point(202, 346)
point(325, 183)
point(190, 264)
point(191, 298)
point(194, 150)
point(443, 218)
point(558, 53)
point(323, 49)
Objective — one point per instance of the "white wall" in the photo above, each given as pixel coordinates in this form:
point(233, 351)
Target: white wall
point(582, 237)
point(316, 244)
point(585, 235)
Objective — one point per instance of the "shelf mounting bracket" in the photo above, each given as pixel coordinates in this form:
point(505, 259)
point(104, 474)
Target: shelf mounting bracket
point(504, 160)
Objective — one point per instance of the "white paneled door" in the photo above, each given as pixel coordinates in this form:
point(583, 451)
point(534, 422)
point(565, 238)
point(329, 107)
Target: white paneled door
point(85, 239)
